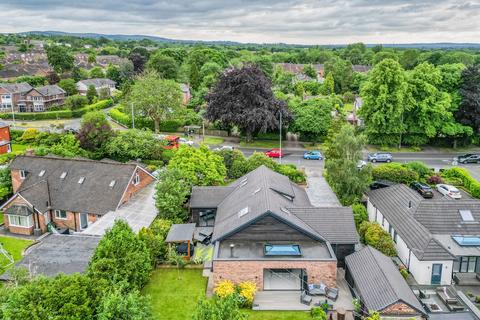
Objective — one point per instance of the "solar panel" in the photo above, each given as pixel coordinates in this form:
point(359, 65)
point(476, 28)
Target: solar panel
point(466, 215)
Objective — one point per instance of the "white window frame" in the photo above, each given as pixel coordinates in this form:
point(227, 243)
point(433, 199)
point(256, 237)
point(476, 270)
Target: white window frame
point(23, 174)
point(29, 221)
point(57, 214)
point(38, 107)
point(136, 179)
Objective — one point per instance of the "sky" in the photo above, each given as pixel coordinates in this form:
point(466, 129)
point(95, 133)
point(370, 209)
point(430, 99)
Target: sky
point(255, 21)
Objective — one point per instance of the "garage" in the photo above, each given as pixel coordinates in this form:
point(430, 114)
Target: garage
point(283, 279)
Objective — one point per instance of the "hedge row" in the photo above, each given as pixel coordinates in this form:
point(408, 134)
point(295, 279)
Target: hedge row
point(140, 123)
point(60, 114)
point(472, 185)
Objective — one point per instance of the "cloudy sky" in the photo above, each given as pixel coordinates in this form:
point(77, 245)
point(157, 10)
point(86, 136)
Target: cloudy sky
point(260, 21)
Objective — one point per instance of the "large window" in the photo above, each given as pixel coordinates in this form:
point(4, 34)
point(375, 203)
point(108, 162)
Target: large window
point(282, 250)
point(61, 214)
point(465, 264)
point(20, 221)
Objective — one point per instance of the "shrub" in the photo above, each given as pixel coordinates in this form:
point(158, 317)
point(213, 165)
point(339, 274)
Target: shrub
point(360, 214)
point(291, 172)
point(247, 291)
point(404, 273)
point(434, 179)
point(472, 185)
point(317, 313)
point(372, 234)
point(76, 102)
point(420, 168)
point(224, 288)
point(395, 172)
point(29, 135)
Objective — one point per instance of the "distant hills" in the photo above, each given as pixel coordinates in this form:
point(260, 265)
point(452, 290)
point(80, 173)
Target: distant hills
point(137, 37)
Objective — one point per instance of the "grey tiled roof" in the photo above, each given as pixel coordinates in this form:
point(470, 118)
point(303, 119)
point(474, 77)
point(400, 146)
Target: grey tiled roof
point(336, 224)
point(94, 195)
point(398, 204)
point(181, 232)
point(16, 87)
point(261, 191)
point(378, 281)
point(50, 90)
point(208, 197)
point(97, 82)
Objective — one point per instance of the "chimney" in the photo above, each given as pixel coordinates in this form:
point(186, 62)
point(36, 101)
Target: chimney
point(232, 246)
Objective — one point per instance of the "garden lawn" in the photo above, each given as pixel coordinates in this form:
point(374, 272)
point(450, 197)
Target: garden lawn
point(268, 144)
point(19, 147)
point(174, 293)
point(15, 247)
point(213, 140)
point(278, 315)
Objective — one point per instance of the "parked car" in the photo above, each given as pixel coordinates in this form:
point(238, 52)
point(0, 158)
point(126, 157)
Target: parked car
point(361, 164)
point(468, 158)
point(185, 141)
point(381, 184)
point(275, 153)
point(313, 155)
point(229, 148)
point(449, 191)
point(425, 190)
point(380, 157)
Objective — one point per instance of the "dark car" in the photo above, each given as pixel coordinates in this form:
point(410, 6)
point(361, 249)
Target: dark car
point(424, 190)
point(381, 184)
point(468, 158)
point(380, 157)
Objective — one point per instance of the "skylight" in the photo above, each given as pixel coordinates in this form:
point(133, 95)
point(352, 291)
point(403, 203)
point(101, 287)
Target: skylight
point(80, 181)
point(243, 212)
point(63, 175)
point(467, 241)
point(243, 182)
point(282, 250)
point(112, 183)
point(41, 173)
point(285, 210)
point(257, 191)
point(466, 215)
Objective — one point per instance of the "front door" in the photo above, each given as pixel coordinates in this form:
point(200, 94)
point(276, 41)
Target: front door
point(436, 273)
point(83, 221)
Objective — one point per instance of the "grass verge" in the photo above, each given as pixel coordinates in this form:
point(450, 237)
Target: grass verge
point(15, 247)
point(267, 144)
point(278, 315)
point(213, 140)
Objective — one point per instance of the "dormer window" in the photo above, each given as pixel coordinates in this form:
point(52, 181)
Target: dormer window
point(41, 173)
point(63, 175)
point(81, 180)
point(23, 174)
point(136, 180)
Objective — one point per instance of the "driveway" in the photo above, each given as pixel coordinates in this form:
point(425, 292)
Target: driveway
point(318, 190)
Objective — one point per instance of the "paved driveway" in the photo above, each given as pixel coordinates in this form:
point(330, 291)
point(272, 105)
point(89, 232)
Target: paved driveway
point(318, 190)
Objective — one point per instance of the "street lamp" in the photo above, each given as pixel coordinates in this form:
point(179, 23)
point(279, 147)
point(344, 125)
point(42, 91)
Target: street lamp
point(133, 118)
point(280, 158)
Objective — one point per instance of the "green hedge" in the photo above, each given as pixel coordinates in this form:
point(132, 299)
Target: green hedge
point(394, 172)
point(471, 184)
point(60, 114)
point(141, 123)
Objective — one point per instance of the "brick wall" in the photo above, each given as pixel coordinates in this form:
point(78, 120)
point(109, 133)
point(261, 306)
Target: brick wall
point(13, 229)
point(69, 223)
point(145, 179)
point(398, 309)
point(239, 271)
point(16, 180)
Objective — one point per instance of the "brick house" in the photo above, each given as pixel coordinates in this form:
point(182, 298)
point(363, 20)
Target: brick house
point(5, 143)
point(68, 194)
point(11, 93)
point(265, 230)
point(380, 287)
point(41, 99)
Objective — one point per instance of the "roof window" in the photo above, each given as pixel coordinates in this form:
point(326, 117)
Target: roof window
point(256, 191)
point(112, 183)
point(467, 241)
point(243, 182)
point(285, 210)
point(282, 250)
point(63, 175)
point(466, 215)
point(243, 212)
point(81, 180)
point(41, 173)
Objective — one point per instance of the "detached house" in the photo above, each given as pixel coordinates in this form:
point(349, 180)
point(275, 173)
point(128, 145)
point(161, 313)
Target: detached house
point(99, 84)
point(436, 239)
point(265, 230)
point(68, 194)
point(22, 97)
point(11, 93)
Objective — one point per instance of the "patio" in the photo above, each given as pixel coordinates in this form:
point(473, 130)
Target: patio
point(290, 300)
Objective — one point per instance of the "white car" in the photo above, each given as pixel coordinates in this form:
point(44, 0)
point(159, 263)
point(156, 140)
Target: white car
point(361, 164)
point(185, 141)
point(229, 148)
point(449, 191)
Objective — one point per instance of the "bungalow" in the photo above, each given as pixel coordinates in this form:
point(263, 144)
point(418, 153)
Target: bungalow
point(265, 230)
point(67, 194)
point(99, 84)
point(380, 287)
point(436, 239)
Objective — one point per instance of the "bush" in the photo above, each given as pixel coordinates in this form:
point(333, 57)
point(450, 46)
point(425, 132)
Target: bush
point(291, 172)
point(360, 214)
point(372, 234)
point(29, 135)
point(404, 273)
point(472, 185)
point(420, 168)
point(76, 102)
point(395, 172)
point(224, 288)
point(434, 179)
point(317, 313)
point(247, 291)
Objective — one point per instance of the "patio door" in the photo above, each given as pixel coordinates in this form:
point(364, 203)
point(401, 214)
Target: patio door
point(436, 273)
point(282, 279)
point(83, 221)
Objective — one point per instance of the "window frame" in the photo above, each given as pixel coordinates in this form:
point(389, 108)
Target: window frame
point(56, 213)
point(29, 221)
point(23, 174)
point(136, 179)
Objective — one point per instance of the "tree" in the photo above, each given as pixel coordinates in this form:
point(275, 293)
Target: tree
point(344, 150)
point(409, 59)
point(52, 78)
point(69, 86)
point(154, 238)
point(79, 74)
point(95, 131)
point(219, 308)
point(127, 72)
point(310, 71)
point(342, 73)
point(113, 73)
point(312, 118)
point(60, 58)
point(469, 110)
point(171, 195)
point(34, 81)
point(138, 61)
point(244, 98)
point(165, 66)
point(130, 306)
point(154, 97)
point(134, 144)
point(199, 166)
point(76, 101)
point(194, 76)
point(328, 87)
point(121, 259)
point(68, 147)
point(92, 57)
point(97, 72)
point(372, 234)
point(384, 103)
point(383, 55)
point(91, 93)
